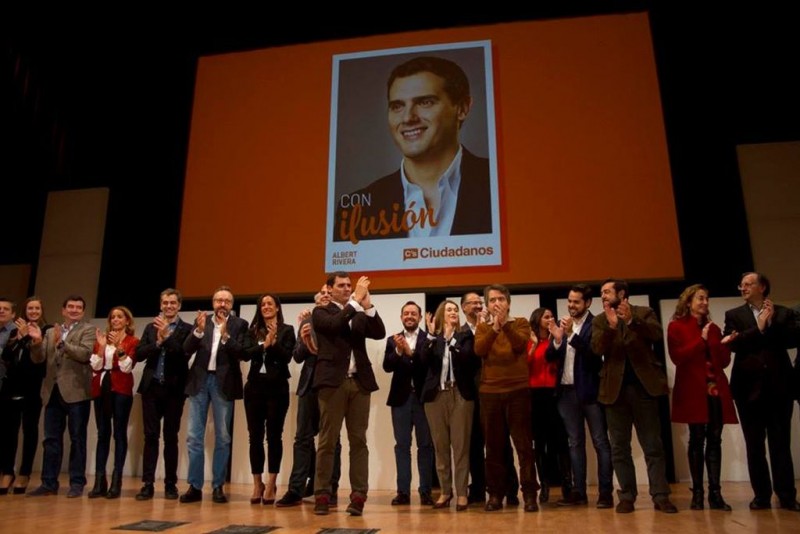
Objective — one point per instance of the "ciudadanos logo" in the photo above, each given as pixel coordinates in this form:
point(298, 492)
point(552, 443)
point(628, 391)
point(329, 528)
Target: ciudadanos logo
point(445, 252)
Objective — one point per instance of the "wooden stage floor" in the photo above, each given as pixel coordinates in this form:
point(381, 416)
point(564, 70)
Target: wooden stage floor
point(57, 514)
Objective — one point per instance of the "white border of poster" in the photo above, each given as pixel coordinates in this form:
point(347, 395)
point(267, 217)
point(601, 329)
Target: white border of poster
point(361, 151)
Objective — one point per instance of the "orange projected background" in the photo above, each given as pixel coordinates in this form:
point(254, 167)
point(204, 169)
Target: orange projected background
point(585, 186)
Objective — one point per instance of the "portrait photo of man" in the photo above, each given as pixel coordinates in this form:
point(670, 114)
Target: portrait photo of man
point(424, 168)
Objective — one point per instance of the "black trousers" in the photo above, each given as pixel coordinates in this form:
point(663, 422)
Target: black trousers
point(266, 404)
point(13, 412)
point(161, 402)
point(769, 420)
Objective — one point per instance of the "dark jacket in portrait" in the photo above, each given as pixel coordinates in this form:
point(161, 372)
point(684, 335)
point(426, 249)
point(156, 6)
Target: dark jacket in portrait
point(473, 210)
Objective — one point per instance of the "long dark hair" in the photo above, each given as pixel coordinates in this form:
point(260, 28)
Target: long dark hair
point(536, 321)
point(259, 326)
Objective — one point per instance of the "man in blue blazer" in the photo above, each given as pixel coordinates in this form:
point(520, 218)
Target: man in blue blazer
point(577, 384)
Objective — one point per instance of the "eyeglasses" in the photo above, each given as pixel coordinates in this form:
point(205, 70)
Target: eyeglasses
point(745, 285)
point(223, 301)
point(473, 303)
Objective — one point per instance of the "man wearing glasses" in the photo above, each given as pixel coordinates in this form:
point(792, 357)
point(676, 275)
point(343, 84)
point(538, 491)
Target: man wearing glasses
point(219, 340)
point(760, 332)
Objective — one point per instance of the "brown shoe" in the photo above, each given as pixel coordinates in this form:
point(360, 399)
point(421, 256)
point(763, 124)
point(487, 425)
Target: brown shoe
point(356, 506)
point(321, 504)
point(605, 500)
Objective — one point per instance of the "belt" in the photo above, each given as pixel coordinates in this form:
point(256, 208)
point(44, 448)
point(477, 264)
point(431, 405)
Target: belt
point(212, 372)
point(354, 375)
point(450, 384)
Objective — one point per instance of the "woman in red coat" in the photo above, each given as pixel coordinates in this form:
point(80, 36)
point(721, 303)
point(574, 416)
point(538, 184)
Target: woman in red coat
point(701, 397)
point(112, 390)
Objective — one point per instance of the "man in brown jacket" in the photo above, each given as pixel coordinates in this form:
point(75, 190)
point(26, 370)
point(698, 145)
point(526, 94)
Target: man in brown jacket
point(631, 380)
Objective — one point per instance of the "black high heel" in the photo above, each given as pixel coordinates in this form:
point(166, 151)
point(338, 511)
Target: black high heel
point(267, 502)
point(438, 505)
point(462, 507)
point(4, 491)
point(257, 500)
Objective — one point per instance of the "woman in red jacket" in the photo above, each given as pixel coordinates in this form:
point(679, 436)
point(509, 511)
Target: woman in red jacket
point(112, 390)
point(701, 396)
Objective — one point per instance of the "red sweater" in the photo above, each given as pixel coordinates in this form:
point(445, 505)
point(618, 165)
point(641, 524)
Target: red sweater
point(121, 383)
point(541, 373)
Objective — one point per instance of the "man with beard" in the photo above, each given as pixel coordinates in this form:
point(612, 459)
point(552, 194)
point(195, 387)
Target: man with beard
point(403, 359)
point(220, 339)
point(631, 381)
point(578, 380)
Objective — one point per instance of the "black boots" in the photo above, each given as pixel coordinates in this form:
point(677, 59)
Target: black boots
point(115, 489)
point(716, 502)
point(100, 488)
point(714, 464)
point(696, 468)
point(697, 498)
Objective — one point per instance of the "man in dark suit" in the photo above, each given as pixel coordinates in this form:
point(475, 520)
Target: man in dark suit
point(66, 394)
point(162, 390)
point(441, 188)
point(631, 381)
point(578, 381)
point(301, 480)
point(403, 359)
point(344, 380)
point(760, 333)
point(215, 377)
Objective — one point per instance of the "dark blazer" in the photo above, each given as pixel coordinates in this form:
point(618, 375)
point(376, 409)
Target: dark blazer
point(229, 372)
point(340, 332)
point(408, 373)
point(586, 367)
point(301, 354)
point(762, 362)
point(276, 357)
point(690, 354)
point(473, 209)
point(465, 365)
point(23, 376)
point(633, 343)
point(175, 368)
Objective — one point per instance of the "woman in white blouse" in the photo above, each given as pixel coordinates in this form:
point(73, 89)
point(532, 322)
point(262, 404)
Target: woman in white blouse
point(112, 390)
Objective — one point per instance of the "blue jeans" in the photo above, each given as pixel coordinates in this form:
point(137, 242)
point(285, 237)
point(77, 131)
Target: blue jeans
point(636, 408)
point(574, 412)
point(58, 415)
point(411, 416)
point(304, 465)
point(198, 415)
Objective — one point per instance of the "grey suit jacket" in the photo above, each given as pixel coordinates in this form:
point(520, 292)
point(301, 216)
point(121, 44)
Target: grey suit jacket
point(67, 366)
